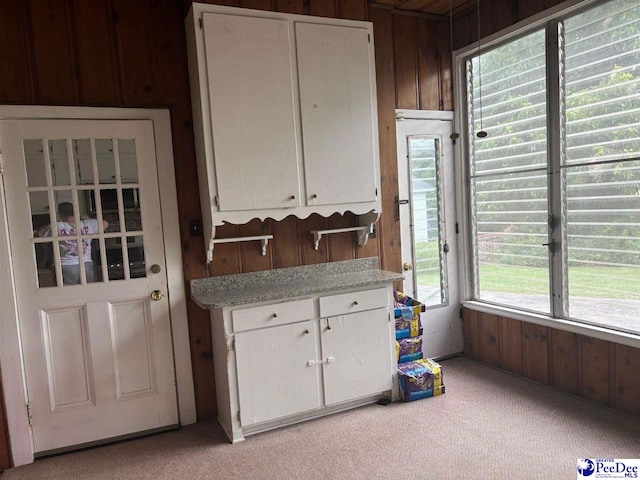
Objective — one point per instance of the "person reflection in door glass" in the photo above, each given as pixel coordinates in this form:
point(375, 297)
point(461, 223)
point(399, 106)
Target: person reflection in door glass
point(69, 258)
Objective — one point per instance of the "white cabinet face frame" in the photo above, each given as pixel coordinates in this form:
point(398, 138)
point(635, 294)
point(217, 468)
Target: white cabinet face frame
point(10, 345)
point(213, 215)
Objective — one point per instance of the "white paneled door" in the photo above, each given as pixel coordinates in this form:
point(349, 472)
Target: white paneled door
point(89, 265)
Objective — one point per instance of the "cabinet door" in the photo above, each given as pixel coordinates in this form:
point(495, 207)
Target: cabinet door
point(274, 379)
point(358, 347)
point(250, 79)
point(336, 88)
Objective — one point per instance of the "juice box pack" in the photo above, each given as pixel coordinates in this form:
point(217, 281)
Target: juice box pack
point(420, 379)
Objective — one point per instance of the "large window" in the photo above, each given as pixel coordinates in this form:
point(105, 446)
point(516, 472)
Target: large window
point(554, 186)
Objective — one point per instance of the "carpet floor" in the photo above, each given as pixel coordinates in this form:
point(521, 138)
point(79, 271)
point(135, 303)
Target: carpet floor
point(489, 425)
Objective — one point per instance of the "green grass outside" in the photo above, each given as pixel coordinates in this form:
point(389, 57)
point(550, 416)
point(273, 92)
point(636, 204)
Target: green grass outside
point(584, 281)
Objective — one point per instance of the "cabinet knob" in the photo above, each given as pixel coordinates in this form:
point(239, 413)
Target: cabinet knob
point(292, 197)
point(275, 315)
point(307, 332)
point(355, 303)
point(314, 196)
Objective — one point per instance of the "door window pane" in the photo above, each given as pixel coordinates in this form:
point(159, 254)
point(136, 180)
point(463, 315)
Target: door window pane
point(426, 210)
point(137, 265)
point(83, 161)
point(110, 211)
point(59, 158)
point(34, 160)
point(40, 219)
point(128, 161)
point(45, 265)
point(131, 199)
point(106, 161)
point(510, 226)
point(115, 262)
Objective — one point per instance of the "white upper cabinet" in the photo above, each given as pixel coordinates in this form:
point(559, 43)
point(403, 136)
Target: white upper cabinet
point(253, 117)
point(285, 115)
point(336, 87)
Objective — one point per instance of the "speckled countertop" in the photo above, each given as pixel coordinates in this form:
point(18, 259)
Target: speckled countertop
point(282, 283)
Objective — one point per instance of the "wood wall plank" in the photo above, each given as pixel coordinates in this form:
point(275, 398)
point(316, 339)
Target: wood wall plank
point(504, 14)
point(341, 244)
point(251, 252)
point(536, 353)
point(257, 4)
point(353, 9)
point(95, 44)
point(564, 361)
point(512, 345)
point(446, 67)
point(285, 243)
point(322, 8)
point(308, 254)
point(16, 80)
point(627, 381)
point(595, 369)
point(289, 6)
point(428, 64)
point(527, 8)
point(57, 82)
point(389, 226)
point(471, 333)
point(489, 338)
point(405, 55)
point(135, 51)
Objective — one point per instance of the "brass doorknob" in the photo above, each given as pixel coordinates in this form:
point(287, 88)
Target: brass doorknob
point(157, 295)
point(407, 266)
point(155, 268)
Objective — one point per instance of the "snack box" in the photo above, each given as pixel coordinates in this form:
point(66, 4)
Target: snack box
point(407, 316)
point(420, 379)
point(408, 349)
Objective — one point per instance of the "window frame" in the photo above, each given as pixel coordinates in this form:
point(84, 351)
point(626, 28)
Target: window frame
point(548, 20)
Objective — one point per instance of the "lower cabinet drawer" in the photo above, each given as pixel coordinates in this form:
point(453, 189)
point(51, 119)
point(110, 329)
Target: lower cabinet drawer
point(272, 315)
point(353, 302)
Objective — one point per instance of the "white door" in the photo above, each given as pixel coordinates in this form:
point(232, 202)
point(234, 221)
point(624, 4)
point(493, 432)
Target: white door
point(356, 355)
point(253, 111)
point(275, 378)
point(336, 89)
point(87, 246)
point(428, 229)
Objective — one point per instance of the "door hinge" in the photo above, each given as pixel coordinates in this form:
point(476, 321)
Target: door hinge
point(445, 249)
point(238, 415)
point(215, 200)
point(1, 164)
point(460, 313)
point(369, 37)
point(29, 414)
point(233, 344)
point(457, 229)
point(376, 193)
point(201, 23)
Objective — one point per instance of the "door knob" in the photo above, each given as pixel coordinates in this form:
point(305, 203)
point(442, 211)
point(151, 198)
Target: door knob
point(157, 295)
point(407, 266)
point(155, 268)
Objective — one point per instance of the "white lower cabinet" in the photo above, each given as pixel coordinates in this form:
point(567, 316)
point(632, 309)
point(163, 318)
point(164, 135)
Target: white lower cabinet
point(275, 365)
point(274, 379)
point(359, 349)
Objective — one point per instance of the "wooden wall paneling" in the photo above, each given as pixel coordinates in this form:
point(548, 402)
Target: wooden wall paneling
point(389, 226)
point(98, 76)
point(626, 381)
point(536, 353)
point(526, 8)
point(322, 8)
point(305, 240)
point(471, 333)
point(428, 64)
point(462, 32)
point(446, 67)
point(564, 361)
point(489, 338)
point(228, 3)
point(226, 256)
point(135, 51)
point(353, 9)
point(341, 244)
point(251, 252)
point(595, 369)
point(512, 345)
point(256, 4)
point(16, 80)
point(5, 447)
point(504, 14)
point(405, 55)
point(286, 252)
point(289, 6)
point(57, 82)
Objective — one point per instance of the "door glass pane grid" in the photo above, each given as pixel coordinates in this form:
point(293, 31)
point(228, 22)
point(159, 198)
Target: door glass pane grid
point(63, 189)
point(429, 272)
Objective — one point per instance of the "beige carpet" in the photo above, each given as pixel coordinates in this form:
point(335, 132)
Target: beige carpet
point(489, 425)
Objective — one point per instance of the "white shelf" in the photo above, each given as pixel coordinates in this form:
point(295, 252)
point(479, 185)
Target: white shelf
point(364, 230)
point(264, 240)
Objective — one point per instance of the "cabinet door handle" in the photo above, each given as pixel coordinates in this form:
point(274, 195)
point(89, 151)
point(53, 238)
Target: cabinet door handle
point(328, 324)
point(307, 332)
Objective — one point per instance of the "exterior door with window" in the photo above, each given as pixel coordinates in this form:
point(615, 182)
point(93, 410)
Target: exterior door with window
point(426, 207)
point(89, 265)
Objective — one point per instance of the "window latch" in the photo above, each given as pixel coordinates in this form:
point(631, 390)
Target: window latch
point(551, 245)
